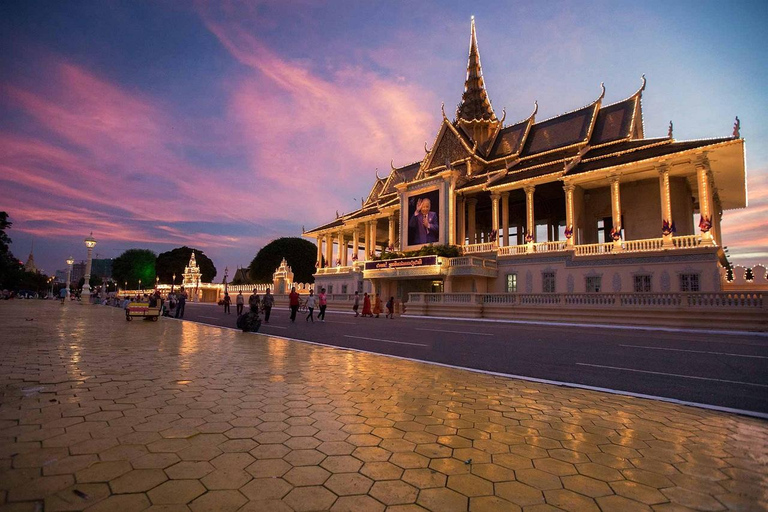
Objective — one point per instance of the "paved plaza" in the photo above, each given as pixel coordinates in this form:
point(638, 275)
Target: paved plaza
point(100, 414)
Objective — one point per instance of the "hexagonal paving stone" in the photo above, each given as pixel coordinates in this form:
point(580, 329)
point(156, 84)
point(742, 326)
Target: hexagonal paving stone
point(228, 478)
point(470, 485)
point(268, 468)
point(138, 480)
point(336, 448)
point(341, 464)
point(155, 461)
point(538, 479)
point(492, 504)
point(345, 484)
point(493, 472)
point(638, 492)
point(356, 504)
point(188, 469)
point(123, 503)
point(176, 492)
point(408, 460)
point(304, 457)
point(444, 500)
point(586, 486)
point(260, 489)
point(519, 493)
point(371, 454)
point(424, 478)
point(102, 471)
point(569, 500)
point(306, 476)
point(218, 501)
point(599, 472)
point(306, 499)
point(620, 504)
point(381, 470)
point(232, 461)
point(269, 451)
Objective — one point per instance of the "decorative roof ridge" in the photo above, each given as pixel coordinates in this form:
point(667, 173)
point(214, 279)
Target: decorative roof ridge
point(530, 119)
point(625, 139)
point(661, 142)
point(727, 138)
point(593, 104)
point(560, 172)
point(563, 148)
point(550, 162)
point(634, 95)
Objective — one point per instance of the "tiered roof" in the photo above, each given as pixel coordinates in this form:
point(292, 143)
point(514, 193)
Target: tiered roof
point(590, 138)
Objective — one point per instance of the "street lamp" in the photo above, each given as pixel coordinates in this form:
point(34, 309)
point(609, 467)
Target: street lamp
point(226, 272)
point(174, 282)
point(90, 243)
point(157, 282)
point(139, 285)
point(70, 262)
point(125, 288)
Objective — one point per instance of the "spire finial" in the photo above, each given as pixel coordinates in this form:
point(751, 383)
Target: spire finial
point(475, 104)
point(737, 128)
point(669, 132)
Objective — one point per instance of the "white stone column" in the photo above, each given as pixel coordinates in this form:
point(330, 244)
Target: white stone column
point(461, 210)
point(666, 206)
point(505, 217)
point(344, 251)
point(339, 244)
point(372, 229)
point(495, 217)
point(530, 223)
point(616, 212)
point(367, 245)
point(328, 250)
point(70, 262)
point(392, 231)
point(569, 214)
point(471, 219)
point(90, 243)
point(356, 243)
point(706, 203)
point(319, 251)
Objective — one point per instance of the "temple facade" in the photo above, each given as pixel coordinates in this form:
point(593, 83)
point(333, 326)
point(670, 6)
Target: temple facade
point(582, 203)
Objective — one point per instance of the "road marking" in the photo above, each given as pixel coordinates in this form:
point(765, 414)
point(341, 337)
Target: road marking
point(386, 341)
point(273, 326)
point(456, 332)
point(211, 317)
point(695, 351)
point(674, 375)
point(337, 322)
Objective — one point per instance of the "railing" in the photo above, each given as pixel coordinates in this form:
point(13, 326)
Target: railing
point(592, 249)
point(513, 250)
point(335, 270)
point(686, 241)
point(476, 248)
point(613, 300)
point(652, 244)
point(471, 261)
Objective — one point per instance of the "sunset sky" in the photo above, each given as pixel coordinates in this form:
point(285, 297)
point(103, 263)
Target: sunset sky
point(224, 125)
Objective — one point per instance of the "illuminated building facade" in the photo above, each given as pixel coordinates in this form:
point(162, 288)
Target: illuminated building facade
point(581, 203)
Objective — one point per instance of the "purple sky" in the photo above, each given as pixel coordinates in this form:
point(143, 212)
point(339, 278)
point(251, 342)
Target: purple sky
point(224, 125)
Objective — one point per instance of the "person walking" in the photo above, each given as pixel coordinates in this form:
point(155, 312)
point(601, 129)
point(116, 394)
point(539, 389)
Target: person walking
point(63, 295)
point(227, 302)
point(240, 302)
point(293, 302)
point(323, 302)
point(181, 302)
point(171, 309)
point(391, 308)
point(366, 305)
point(254, 302)
point(356, 305)
point(377, 305)
point(267, 303)
point(311, 301)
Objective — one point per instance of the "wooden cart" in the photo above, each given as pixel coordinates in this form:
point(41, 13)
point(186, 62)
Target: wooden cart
point(141, 309)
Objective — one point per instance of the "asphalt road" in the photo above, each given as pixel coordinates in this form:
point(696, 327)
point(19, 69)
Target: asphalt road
point(715, 369)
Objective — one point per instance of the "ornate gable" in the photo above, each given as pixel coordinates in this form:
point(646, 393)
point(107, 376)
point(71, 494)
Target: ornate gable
point(448, 149)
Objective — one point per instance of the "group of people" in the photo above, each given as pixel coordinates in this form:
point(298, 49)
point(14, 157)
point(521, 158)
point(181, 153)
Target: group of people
point(376, 310)
point(256, 304)
point(174, 303)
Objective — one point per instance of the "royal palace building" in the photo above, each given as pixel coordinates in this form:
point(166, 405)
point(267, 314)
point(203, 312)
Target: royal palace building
point(582, 203)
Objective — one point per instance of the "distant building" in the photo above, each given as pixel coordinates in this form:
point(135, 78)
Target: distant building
point(78, 272)
point(241, 276)
point(30, 266)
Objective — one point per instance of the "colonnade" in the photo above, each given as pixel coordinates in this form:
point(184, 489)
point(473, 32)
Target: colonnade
point(466, 221)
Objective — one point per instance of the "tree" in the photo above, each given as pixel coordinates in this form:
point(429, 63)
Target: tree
point(11, 269)
point(135, 264)
point(299, 253)
point(174, 262)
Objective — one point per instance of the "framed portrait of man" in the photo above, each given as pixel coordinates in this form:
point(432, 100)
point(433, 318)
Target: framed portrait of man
point(424, 218)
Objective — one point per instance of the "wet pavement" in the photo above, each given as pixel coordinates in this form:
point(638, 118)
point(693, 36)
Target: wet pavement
point(100, 414)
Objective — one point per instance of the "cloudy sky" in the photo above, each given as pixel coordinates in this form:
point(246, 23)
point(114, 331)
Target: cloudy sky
point(224, 125)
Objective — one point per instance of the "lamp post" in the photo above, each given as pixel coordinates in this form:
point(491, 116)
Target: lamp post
point(173, 283)
point(226, 273)
point(157, 282)
point(90, 243)
point(125, 288)
point(70, 262)
point(139, 285)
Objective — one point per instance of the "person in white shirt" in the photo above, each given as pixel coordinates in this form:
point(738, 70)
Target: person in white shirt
point(311, 302)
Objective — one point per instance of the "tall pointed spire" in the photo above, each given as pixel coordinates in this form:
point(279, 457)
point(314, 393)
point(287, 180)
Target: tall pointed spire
point(475, 104)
